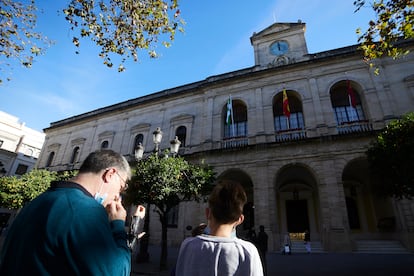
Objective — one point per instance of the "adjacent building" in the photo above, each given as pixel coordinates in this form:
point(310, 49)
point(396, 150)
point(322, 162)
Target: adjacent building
point(296, 137)
point(20, 146)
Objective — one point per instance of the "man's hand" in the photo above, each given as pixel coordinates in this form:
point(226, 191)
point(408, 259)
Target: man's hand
point(140, 212)
point(115, 211)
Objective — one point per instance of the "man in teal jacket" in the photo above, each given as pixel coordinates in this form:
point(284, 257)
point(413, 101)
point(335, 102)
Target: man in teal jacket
point(76, 227)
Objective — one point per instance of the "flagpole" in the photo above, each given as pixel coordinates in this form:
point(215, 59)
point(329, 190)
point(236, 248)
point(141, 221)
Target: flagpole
point(286, 109)
point(231, 114)
point(351, 97)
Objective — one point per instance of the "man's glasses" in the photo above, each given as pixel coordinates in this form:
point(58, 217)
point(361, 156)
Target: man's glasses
point(123, 189)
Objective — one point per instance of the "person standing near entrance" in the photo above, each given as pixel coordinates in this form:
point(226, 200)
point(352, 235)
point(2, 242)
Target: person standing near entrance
point(307, 241)
point(287, 244)
point(262, 245)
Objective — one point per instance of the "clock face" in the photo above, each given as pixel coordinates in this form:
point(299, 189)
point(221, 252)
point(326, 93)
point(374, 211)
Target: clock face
point(279, 48)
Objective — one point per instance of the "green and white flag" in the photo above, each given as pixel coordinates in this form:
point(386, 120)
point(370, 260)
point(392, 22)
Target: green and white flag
point(229, 118)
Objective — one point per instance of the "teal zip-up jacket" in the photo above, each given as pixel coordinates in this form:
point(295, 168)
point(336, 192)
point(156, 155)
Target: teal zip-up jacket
point(64, 231)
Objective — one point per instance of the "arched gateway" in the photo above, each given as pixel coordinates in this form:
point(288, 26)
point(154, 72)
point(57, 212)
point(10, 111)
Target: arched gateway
point(297, 202)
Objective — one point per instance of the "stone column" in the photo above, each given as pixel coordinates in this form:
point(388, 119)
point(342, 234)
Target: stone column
point(265, 201)
point(207, 130)
point(334, 222)
point(257, 123)
point(405, 211)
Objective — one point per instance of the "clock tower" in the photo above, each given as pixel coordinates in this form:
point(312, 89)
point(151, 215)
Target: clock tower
point(280, 44)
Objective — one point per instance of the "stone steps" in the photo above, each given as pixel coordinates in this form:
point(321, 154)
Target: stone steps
point(362, 246)
point(299, 247)
point(380, 247)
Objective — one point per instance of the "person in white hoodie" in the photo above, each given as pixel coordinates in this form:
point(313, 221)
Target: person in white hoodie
point(220, 252)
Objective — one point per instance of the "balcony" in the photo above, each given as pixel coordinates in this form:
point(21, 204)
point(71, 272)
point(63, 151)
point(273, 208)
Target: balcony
point(354, 127)
point(234, 142)
point(290, 135)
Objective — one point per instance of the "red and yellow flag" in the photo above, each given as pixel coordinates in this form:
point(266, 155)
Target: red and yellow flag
point(351, 95)
point(286, 109)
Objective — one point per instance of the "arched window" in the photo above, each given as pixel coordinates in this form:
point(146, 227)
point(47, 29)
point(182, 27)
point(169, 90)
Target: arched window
point(104, 144)
point(139, 139)
point(181, 133)
point(236, 124)
point(283, 122)
point(346, 103)
point(50, 159)
point(75, 155)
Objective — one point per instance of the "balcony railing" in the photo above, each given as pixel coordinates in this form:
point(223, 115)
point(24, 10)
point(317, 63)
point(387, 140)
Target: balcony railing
point(354, 126)
point(290, 135)
point(234, 142)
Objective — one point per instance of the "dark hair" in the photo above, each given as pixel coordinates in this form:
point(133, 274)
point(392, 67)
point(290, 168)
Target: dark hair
point(226, 201)
point(103, 159)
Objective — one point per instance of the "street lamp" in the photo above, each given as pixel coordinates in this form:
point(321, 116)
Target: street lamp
point(143, 255)
point(174, 146)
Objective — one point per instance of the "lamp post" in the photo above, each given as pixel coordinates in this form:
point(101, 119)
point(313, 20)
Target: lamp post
point(175, 146)
point(143, 255)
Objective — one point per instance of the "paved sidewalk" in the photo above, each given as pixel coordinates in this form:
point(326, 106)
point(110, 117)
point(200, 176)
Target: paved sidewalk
point(337, 264)
point(152, 267)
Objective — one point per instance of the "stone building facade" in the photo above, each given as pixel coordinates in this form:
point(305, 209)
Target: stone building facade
point(305, 171)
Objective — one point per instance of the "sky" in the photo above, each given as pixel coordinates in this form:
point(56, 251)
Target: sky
point(62, 84)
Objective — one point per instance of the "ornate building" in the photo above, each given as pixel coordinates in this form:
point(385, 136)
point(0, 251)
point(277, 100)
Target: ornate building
point(302, 169)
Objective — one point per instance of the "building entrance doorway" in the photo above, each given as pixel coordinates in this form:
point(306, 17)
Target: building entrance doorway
point(297, 216)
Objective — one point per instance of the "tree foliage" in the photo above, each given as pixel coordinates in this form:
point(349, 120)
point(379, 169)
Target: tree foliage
point(391, 159)
point(123, 27)
point(15, 192)
point(394, 21)
point(18, 38)
point(117, 27)
point(165, 182)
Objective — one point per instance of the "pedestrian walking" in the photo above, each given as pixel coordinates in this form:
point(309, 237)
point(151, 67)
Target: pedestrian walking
point(307, 241)
point(287, 244)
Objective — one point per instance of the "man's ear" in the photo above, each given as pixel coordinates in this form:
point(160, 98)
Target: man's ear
point(107, 175)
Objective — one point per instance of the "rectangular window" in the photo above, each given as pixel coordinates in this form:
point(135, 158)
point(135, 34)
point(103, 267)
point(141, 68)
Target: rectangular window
point(172, 217)
point(346, 114)
point(295, 122)
point(21, 169)
point(235, 130)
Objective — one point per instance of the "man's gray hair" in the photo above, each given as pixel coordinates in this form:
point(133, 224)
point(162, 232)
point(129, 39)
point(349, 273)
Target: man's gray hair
point(103, 159)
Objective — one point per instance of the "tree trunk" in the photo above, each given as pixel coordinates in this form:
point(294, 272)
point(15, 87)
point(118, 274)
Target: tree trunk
point(164, 248)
